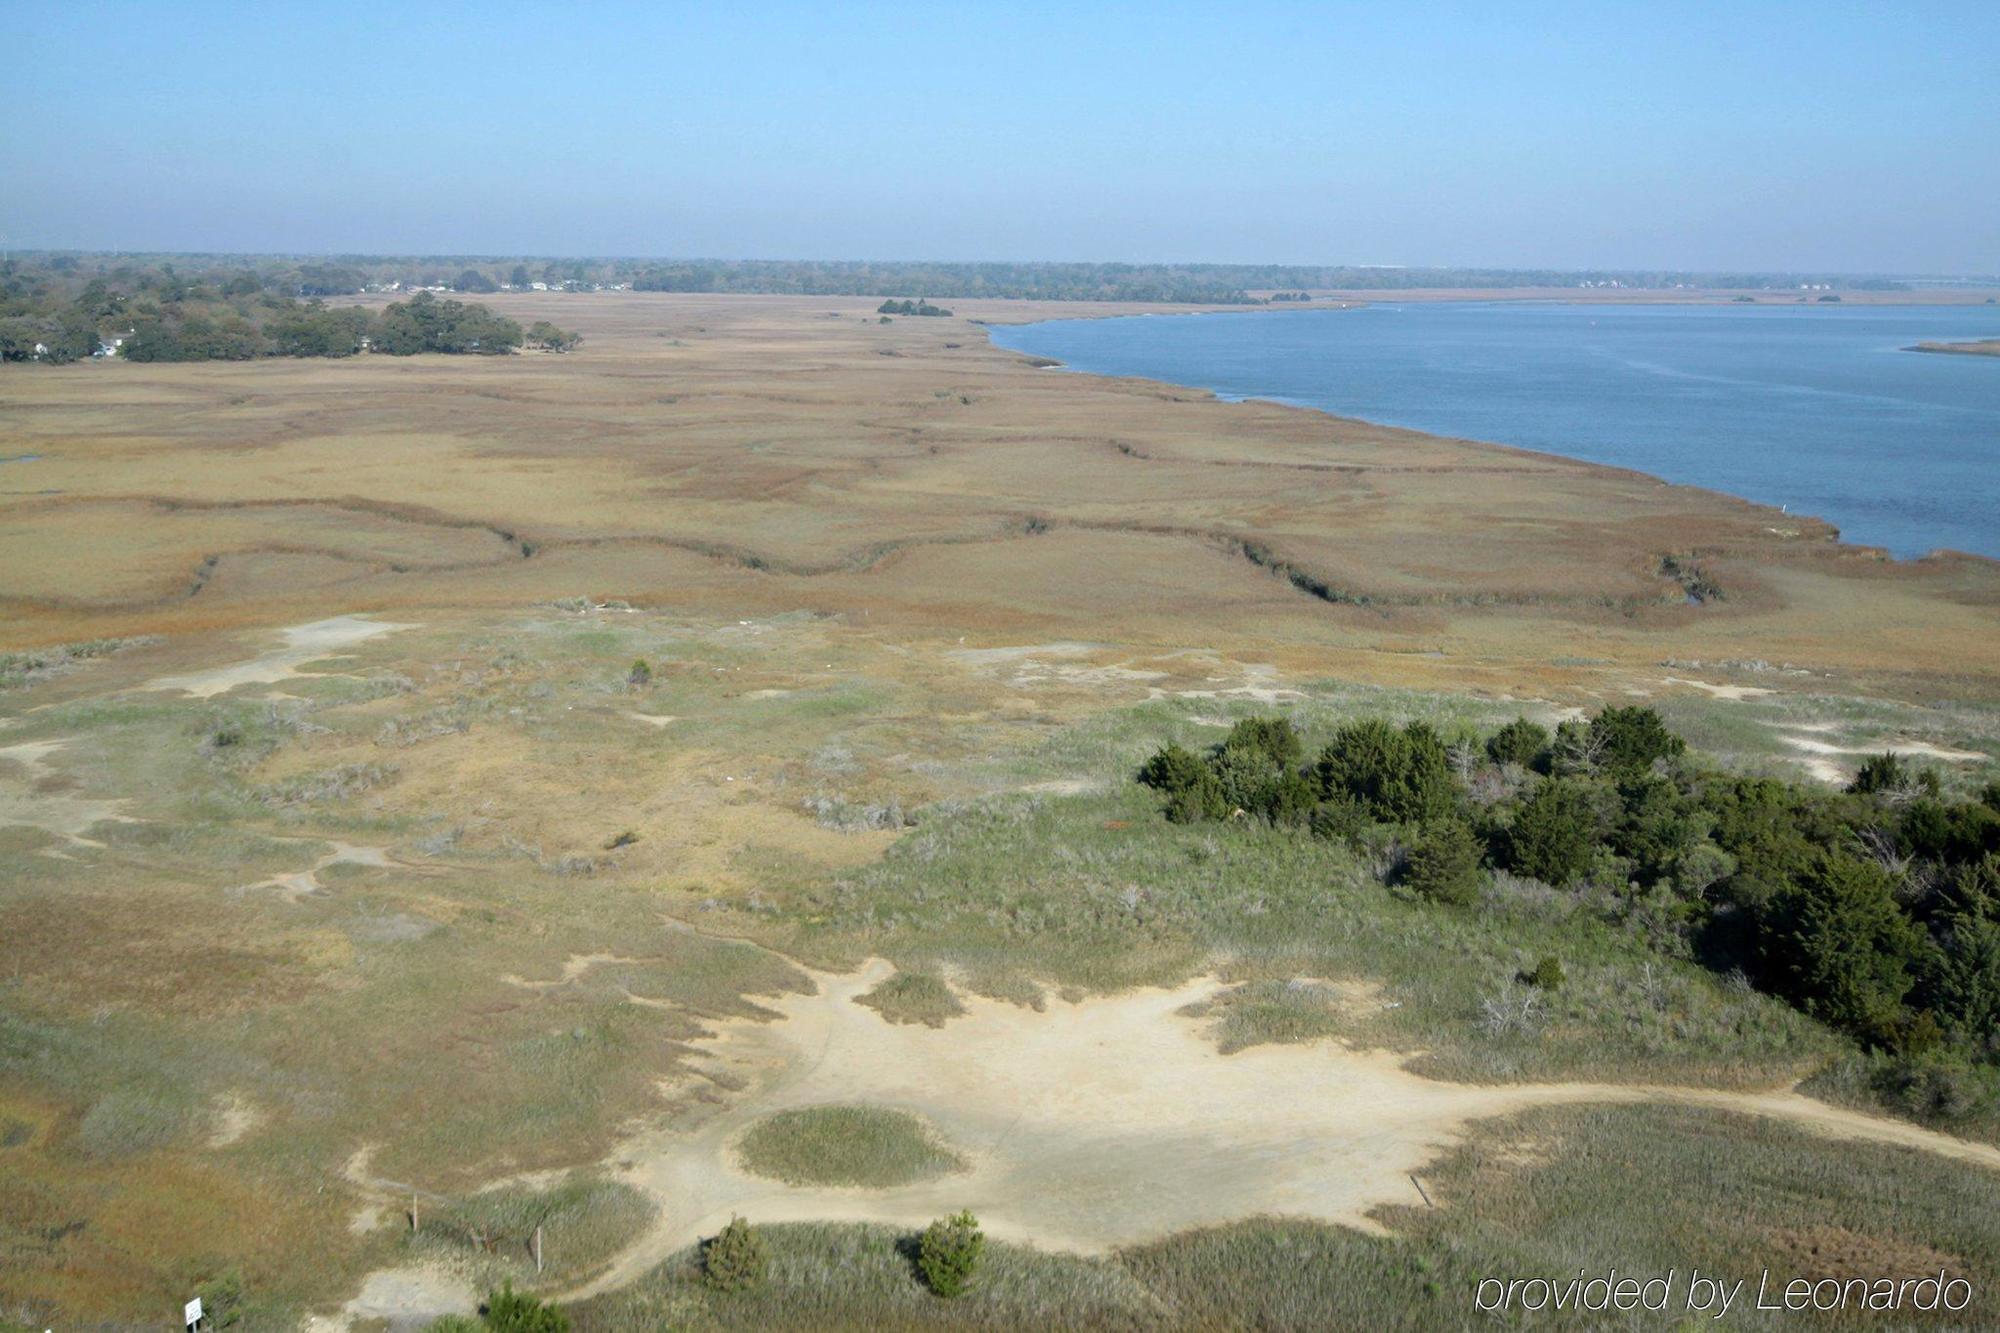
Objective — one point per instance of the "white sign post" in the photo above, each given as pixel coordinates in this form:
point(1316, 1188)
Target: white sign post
point(191, 1313)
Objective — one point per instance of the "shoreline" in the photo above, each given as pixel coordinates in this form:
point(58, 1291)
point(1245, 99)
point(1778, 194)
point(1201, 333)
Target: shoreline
point(1833, 532)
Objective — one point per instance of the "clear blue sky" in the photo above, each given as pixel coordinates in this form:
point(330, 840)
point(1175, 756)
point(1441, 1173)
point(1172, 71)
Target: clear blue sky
point(1759, 135)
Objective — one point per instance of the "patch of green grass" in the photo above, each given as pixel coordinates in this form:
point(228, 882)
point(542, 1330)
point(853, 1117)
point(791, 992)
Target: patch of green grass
point(914, 997)
point(869, 1146)
point(585, 1220)
point(1258, 1013)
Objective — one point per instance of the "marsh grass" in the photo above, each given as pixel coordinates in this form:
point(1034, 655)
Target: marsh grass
point(869, 1146)
point(914, 997)
point(585, 1219)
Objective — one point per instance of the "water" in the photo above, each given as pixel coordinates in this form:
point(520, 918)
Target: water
point(1813, 407)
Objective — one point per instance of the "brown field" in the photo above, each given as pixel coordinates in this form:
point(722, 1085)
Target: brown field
point(742, 455)
point(429, 900)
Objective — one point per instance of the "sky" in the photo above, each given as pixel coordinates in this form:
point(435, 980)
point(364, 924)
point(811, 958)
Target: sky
point(1818, 136)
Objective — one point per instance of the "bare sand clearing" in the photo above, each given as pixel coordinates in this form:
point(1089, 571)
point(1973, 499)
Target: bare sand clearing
point(1105, 1122)
point(305, 883)
point(1821, 758)
point(31, 793)
point(303, 643)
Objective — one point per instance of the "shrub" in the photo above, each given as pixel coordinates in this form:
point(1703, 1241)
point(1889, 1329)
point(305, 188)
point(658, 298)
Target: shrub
point(510, 1311)
point(949, 1252)
point(1553, 833)
point(1400, 776)
point(1837, 945)
point(1339, 819)
point(455, 1323)
point(1272, 738)
point(640, 675)
point(736, 1259)
point(1628, 740)
point(1173, 769)
point(1519, 742)
point(1443, 863)
point(1546, 975)
point(1888, 774)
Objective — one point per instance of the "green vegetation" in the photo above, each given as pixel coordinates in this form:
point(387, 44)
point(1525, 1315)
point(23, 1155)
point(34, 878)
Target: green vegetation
point(949, 1253)
point(910, 308)
point(914, 997)
point(737, 1259)
point(548, 338)
point(846, 1145)
point(157, 313)
point(426, 324)
point(510, 1311)
point(1876, 911)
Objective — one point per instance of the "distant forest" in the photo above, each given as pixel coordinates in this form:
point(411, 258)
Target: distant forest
point(1209, 284)
point(64, 310)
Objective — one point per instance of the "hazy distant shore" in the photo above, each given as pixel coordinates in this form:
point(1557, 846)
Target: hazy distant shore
point(1981, 347)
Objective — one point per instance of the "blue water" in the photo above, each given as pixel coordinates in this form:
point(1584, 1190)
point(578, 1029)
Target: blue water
point(1816, 407)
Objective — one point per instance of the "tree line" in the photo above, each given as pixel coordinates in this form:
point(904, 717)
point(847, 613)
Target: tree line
point(172, 316)
point(1875, 909)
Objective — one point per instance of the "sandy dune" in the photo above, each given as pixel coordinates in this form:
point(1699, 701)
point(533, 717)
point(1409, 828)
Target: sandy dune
point(1106, 1122)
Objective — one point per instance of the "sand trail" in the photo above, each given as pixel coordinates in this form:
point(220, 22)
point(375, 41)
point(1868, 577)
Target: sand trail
point(303, 643)
point(1107, 1122)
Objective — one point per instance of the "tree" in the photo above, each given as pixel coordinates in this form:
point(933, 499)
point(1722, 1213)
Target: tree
point(425, 324)
point(1270, 737)
point(472, 280)
point(1837, 945)
point(1519, 742)
point(520, 277)
point(549, 338)
point(1553, 833)
point(949, 1252)
point(1443, 863)
point(736, 1259)
point(1400, 776)
point(510, 1311)
point(1630, 739)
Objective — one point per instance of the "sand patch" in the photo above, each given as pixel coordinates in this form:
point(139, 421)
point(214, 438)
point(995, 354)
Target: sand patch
point(235, 1116)
point(303, 643)
point(654, 720)
point(305, 883)
point(410, 1298)
point(1102, 1123)
point(32, 793)
point(1821, 758)
point(1735, 692)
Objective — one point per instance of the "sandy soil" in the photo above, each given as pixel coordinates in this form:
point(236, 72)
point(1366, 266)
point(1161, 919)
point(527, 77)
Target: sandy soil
point(303, 644)
point(34, 794)
point(1106, 1122)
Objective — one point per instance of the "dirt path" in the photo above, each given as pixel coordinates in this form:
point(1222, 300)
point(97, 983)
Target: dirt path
point(1107, 1122)
point(303, 644)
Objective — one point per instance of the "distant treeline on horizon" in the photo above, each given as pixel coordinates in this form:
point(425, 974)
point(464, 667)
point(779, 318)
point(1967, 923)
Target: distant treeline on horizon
point(1208, 284)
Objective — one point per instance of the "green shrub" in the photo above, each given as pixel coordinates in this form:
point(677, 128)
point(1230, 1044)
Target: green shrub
point(1400, 776)
point(1443, 863)
point(737, 1259)
point(1839, 947)
point(1173, 769)
point(1272, 738)
point(1546, 975)
point(641, 674)
point(1553, 833)
point(1519, 742)
point(1628, 740)
point(949, 1252)
point(510, 1311)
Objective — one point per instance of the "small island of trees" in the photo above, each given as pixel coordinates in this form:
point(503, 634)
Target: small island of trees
point(910, 308)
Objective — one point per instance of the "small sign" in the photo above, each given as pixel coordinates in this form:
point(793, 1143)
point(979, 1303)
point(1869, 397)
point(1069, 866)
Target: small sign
point(191, 1312)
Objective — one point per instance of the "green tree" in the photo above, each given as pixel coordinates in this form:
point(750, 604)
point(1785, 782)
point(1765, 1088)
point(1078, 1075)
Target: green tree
point(1400, 776)
point(1838, 947)
point(949, 1252)
point(1443, 863)
point(1519, 742)
point(1630, 739)
point(1553, 833)
point(737, 1259)
point(1273, 738)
